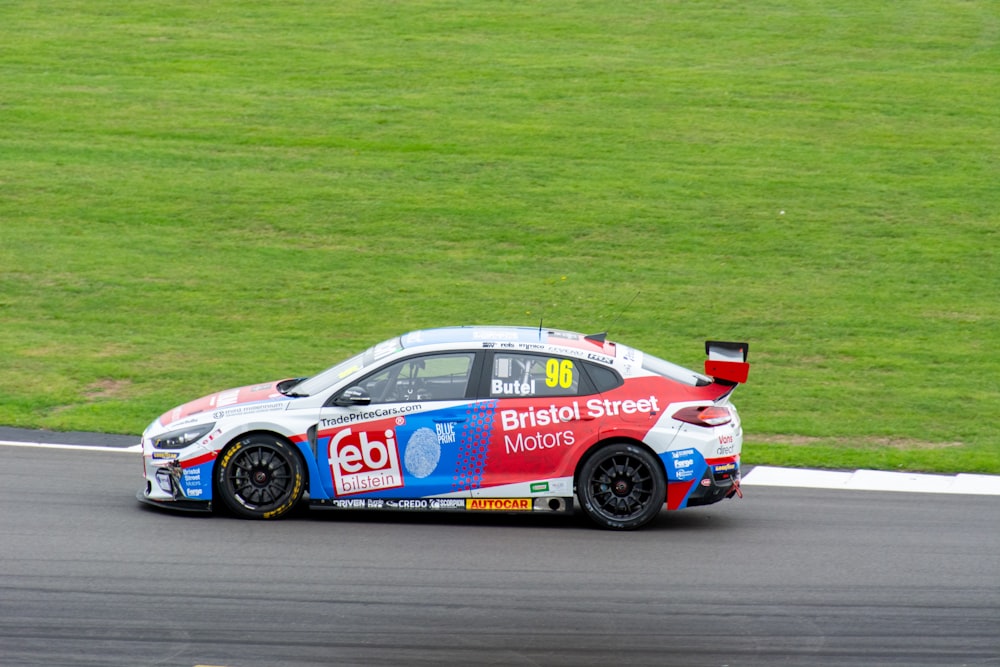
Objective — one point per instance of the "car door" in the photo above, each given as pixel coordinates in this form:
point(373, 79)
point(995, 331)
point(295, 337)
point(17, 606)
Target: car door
point(541, 421)
point(399, 432)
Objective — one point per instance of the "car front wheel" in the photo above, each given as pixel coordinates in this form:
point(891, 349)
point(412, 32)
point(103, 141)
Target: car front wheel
point(259, 477)
point(622, 486)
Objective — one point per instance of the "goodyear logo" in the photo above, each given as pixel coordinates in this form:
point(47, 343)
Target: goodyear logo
point(499, 504)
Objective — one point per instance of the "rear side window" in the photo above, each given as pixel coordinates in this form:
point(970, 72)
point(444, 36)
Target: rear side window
point(604, 379)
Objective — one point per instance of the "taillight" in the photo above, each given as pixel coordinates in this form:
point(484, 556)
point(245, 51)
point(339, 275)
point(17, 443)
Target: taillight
point(704, 415)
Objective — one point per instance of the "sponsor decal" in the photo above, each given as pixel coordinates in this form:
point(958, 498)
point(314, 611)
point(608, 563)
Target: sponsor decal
point(501, 388)
point(189, 420)
point(388, 347)
point(396, 503)
point(598, 408)
point(499, 504)
point(725, 468)
point(249, 409)
point(193, 483)
point(369, 415)
point(165, 455)
point(604, 359)
point(472, 448)
point(222, 401)
point(351, 503)
point(445, 432)
point(522, 443)
point(511, 420)
point(726, 445)
point(408, 504)
point(425, 504)
point(559, 373)
point(447, 503)
point(364, 462)
point(681, 464)
point(423, 451)
point(594, 408)
point(539, 487)
point(494, 334)
point(224, 398)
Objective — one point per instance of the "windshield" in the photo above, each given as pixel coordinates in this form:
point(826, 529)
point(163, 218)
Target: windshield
point(331, 376)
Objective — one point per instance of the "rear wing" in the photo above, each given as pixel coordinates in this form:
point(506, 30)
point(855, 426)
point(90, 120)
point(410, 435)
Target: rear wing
point(727, 362)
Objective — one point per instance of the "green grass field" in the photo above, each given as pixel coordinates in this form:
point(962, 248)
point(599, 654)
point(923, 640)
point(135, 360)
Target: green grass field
point(199, 195)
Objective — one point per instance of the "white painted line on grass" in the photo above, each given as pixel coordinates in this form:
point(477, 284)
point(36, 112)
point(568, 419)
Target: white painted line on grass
point(874, 480)
point(87, 448)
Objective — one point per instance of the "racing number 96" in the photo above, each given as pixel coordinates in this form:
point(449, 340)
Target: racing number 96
point(559, 373)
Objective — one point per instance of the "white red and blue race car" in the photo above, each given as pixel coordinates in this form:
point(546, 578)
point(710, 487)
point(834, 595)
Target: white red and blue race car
point(474, 418)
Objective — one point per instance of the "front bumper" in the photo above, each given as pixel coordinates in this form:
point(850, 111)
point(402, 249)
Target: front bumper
point(177, 505)
point(165, 484)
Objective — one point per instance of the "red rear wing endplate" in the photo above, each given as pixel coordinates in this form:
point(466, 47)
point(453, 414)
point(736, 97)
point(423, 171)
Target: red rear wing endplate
point(727, 362)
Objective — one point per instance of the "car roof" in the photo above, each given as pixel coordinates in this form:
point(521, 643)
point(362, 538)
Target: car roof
point(500, 335)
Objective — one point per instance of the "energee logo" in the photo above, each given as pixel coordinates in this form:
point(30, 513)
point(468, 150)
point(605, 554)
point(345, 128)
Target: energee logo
point(362, 463)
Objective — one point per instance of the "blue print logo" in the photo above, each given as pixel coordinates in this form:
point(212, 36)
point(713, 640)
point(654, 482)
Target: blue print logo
point(423, 451)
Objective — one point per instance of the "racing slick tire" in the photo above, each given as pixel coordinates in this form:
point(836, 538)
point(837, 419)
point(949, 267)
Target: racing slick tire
point(259, 477)
point(622, 486)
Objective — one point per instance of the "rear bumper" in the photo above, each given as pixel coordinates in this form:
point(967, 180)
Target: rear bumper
point(716, 484)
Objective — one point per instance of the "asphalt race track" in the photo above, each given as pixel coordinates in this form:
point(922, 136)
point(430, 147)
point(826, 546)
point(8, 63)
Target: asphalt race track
point(783, 577)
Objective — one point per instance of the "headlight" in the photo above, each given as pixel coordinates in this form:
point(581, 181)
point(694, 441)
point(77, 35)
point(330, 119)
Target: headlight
point(181, 438)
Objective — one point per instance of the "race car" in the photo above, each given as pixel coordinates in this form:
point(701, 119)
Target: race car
point(470, 419)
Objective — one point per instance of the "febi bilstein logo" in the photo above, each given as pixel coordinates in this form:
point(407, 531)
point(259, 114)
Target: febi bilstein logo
point(362, 463)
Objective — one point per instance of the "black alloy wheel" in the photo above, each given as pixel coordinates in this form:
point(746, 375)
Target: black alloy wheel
point(622, 486)
point(260, 477)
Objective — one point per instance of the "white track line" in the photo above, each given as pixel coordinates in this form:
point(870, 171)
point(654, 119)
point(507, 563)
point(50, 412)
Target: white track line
point(85, 448)
point(874, 480)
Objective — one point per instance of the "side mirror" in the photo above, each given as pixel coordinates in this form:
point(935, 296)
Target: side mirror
point(353, 396)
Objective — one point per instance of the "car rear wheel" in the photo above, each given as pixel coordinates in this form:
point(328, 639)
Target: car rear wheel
point(260, 477)
point(622, 487)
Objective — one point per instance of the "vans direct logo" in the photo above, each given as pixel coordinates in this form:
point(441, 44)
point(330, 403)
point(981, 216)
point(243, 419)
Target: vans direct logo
point(364, 462)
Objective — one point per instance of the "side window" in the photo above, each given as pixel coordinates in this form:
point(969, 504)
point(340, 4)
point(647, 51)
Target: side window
point(435, 377)
point(604, 378)
point(514, 375)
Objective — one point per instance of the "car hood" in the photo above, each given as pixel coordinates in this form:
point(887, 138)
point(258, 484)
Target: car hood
point(224, 401)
